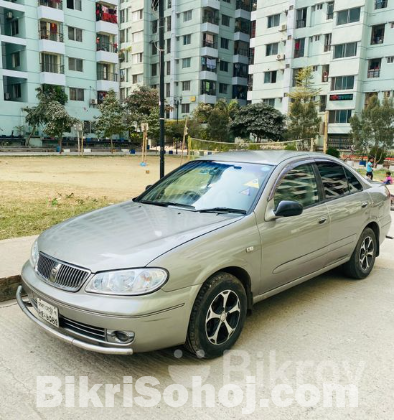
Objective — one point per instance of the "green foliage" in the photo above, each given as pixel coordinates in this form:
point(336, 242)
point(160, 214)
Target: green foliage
point(174, 130)
point(111, 120)
point(332, 151)
point(378, 154)
point(373, 130)
point(41, 114)
point(58, 121)
point(291, 146)
point(260, 120)
point(304, 121)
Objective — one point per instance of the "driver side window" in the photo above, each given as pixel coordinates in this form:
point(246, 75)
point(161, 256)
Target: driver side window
point(299, 185)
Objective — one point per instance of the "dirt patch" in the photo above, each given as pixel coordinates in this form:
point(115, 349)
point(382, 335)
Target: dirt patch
point(36, 192)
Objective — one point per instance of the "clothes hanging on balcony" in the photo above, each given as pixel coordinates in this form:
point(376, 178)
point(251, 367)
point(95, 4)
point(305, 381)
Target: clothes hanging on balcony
point(211, 63)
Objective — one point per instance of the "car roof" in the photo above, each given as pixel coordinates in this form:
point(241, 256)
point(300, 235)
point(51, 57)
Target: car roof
point(268, 157)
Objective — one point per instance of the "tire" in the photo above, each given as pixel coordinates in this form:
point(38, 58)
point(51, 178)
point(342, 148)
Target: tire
point(363, 258)
point(213, 330)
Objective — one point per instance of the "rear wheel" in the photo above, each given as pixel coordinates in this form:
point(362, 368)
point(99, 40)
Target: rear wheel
point(217, 317)
point(363, 258)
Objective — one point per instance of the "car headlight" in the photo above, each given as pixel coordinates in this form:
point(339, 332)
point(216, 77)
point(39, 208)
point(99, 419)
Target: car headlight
point(139, 281)
point(34, 254)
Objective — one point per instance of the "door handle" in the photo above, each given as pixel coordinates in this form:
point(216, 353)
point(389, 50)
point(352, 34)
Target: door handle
point(365, 204)
point(322, 220)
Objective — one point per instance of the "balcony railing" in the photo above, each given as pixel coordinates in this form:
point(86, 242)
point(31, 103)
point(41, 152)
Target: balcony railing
point(52, 68)
point(208, 92)
point(210, 44)
point(210, 19)
point(207, 67)
point(243, 5)
point(301, 23)
point(377, 40)
point(299, 53)
point(52, 36)
point(241, 51)
point(55, 4)
point(372, 73)
point(106, 46)
point(327, 47)
point(244, 28)
point(103, 75)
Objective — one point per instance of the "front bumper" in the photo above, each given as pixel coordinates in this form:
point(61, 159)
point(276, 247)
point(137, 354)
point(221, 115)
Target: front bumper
point(67, 338)
point(158, 320)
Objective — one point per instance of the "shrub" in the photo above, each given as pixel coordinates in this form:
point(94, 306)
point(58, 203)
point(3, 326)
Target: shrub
point(291, 146)
point(378, 153)
point(333, 152)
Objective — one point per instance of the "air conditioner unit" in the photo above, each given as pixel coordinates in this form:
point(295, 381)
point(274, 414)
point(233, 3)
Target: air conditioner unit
point(9, 15)
point(93, 102)
point(280, 57)
point(7, 96)
point(283, 27)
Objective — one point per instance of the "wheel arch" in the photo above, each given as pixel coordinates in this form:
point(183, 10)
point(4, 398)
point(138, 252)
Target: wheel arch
point(243, 276)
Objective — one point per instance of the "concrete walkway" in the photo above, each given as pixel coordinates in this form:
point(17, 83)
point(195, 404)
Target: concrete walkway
point(13, 254)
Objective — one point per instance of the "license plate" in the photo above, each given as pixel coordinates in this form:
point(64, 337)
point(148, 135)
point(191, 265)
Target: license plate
point(48, 312)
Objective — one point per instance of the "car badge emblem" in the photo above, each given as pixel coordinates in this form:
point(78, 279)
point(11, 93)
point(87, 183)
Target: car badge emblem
point(53, 273)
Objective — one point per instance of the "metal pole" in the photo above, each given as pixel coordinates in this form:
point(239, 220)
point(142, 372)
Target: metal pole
point(161, 90)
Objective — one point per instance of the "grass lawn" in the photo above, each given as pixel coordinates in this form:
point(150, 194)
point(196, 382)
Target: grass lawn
point(37, 192)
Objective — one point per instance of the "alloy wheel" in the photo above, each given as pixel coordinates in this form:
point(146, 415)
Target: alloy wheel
point(366, 253)
point(222, 317)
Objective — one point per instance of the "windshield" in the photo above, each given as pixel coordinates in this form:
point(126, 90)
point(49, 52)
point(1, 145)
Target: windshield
point(205, 185)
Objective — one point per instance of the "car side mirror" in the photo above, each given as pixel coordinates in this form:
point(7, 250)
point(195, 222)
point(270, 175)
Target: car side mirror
point(147, 187)
point(288, 209)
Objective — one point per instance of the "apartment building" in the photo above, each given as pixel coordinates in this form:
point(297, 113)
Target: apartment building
point(206, 50)
point(67, 43)
point(349, 44)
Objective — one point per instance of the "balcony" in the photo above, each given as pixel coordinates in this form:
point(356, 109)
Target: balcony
point(243, 10)
point(214, 4)
point(210, 21)
point(373, 73)
point(52, 74)
point(104, 27)
point(50, 10)
point(208, 98)
point(12, 5)
point(107, 53)
point(112, 2)
point(300, 23)
point(240, 58)
point(51, 42)
point(107, 81)
point(9, 39)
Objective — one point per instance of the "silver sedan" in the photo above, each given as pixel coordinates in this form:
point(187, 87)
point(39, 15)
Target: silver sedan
point(185, 261)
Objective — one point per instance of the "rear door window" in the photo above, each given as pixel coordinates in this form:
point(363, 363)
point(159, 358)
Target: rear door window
point(335, 183)
point(300, 185)
point(354, 184)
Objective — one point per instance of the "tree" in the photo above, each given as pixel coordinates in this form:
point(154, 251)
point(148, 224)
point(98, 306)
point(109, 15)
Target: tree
point(58, 121)
point(304, 121)
point(216, 118)
point(37, 115)
point(373, 130)
point(111, 121)
point(260, 120)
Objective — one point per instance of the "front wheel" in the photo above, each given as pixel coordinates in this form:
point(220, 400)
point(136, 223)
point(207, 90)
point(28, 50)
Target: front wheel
point(217, 317)
point(363, 258)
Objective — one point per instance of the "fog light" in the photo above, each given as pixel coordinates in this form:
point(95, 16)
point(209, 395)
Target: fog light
point(122, 337)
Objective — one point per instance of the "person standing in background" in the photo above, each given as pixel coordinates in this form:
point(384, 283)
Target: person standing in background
point(370, 169)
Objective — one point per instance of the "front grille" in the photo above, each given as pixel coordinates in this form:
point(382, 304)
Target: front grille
point(82, 329)
point(61, 275)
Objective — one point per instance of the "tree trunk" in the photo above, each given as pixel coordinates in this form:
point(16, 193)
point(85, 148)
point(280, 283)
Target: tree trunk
point(29, 138)
point(61, 143)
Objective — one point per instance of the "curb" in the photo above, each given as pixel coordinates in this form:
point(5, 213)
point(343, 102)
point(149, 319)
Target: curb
point(8, 286)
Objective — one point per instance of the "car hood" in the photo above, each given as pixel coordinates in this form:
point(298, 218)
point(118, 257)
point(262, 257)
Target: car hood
point(126, 235)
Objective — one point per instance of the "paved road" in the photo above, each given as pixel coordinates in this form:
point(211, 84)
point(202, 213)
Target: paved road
point(329, 329)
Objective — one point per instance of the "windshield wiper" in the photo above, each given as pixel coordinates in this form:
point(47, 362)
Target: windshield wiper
point(222, 210)
point(166, 204)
